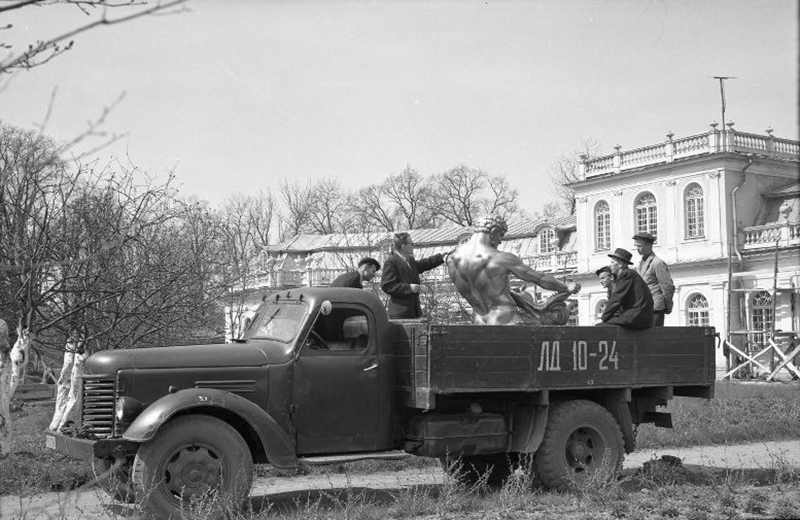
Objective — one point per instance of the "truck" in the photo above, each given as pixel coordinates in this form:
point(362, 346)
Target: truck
point(323, 376)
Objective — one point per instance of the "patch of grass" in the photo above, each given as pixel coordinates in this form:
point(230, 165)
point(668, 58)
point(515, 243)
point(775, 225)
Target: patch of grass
point(787, 507)
point(31, 467)
point(740, 412)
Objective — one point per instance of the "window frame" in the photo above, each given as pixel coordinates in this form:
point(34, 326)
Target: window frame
point(698, 201)
point(648, 211)
point(551, 248)
point(701, 313)
point(602, 242)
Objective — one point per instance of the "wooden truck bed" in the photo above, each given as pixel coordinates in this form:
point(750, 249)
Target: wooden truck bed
point(451, 359)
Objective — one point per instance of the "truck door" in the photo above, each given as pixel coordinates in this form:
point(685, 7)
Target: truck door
point(336, 386)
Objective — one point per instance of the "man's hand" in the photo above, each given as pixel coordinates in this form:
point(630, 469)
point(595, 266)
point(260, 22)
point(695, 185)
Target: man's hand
point(573, 287)
point(668, 308)
point(415, 287)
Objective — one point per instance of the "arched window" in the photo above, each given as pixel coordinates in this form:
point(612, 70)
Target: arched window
point(547, 240)
point(600, 309)
point(573, 313)
point(647, 214)
point(602, 226)
point(694, 211)
point(761, 315)
point(697, 311)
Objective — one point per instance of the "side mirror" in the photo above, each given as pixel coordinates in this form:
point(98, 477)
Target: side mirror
point(326, 308)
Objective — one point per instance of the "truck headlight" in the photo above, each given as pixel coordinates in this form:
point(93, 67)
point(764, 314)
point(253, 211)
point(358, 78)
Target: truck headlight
point(126, 409)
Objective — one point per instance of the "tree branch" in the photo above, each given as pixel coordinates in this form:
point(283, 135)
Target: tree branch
point(26, 59)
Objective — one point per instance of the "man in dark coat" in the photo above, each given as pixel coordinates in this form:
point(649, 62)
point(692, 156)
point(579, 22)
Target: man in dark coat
point(367, 267)
point(400, 279)
point(631, 303)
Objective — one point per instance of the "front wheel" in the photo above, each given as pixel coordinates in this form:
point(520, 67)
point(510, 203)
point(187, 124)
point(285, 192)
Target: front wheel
point(582, 441)
point(194, 459)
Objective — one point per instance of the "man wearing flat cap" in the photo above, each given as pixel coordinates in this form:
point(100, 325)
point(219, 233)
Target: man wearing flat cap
point(630, 304)
point(367, 267)
point(656, 275)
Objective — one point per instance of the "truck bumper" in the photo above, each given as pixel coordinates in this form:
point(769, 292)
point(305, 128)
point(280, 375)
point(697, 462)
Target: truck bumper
point(89, 449)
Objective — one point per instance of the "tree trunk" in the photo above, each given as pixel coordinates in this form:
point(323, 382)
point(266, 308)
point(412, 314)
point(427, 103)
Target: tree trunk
point(19, 359)
point(5, 396)
point(63, 385)
point(73, 405)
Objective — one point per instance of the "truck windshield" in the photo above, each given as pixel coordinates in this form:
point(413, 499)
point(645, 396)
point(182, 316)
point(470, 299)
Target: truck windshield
point(279, 322)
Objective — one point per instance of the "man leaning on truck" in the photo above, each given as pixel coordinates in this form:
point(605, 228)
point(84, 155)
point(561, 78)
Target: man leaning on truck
point(400, 278)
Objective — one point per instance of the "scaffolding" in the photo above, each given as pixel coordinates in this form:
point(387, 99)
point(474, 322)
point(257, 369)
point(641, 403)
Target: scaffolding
point(763, 351)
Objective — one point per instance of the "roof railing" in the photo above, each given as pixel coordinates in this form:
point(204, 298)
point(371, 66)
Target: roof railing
point(713, 141)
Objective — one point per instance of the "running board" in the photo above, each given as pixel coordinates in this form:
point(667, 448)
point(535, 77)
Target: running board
point(352, 457)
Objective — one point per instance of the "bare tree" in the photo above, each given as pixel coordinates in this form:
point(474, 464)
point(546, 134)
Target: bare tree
point(369, 209)
point(411, 198)
point(42, 51)
point(564, 170)
point(246, 222)
point(328, 206)
point(298, 205)
point(462, 194)
point(501, 198)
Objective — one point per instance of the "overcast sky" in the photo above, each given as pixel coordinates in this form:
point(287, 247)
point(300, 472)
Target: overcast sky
point(238, 94)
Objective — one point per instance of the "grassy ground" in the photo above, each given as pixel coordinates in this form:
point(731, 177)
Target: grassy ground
point(741, 412)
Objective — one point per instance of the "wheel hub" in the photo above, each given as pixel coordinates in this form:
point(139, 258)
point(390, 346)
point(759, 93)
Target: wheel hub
point(581, 448)
point(192, 471)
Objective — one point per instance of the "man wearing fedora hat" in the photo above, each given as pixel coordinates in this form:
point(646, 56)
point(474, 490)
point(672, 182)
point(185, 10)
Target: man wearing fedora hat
point(655, 274)
point(367, 267)
point(630, 304)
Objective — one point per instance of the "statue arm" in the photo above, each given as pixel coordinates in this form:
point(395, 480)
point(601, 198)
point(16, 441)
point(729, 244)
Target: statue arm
point(515, 265)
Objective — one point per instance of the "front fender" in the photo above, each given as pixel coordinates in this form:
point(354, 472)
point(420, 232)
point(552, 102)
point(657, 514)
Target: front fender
point(276, 443)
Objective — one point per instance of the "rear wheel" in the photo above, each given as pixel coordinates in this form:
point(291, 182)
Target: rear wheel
point(194, 460)
point(582, 441)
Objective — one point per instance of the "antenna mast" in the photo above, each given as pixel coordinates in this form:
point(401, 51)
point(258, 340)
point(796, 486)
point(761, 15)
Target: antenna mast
point(722, 94)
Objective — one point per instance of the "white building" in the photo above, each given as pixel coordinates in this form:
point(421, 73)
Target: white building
point(725, 208)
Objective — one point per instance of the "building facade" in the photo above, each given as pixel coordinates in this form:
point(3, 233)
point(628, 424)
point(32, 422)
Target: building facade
point(725, 208)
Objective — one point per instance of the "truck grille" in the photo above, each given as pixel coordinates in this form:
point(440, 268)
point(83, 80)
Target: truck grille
point(97, 419)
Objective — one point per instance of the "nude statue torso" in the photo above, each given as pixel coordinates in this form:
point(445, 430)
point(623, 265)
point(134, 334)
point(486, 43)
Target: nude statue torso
point(480, 274)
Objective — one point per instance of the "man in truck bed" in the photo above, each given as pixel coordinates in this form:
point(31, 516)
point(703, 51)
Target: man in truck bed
point(480, 273)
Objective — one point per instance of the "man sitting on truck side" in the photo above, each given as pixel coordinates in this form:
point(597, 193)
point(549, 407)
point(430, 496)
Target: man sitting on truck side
point(630, 304)
point(606, 279)
point(480, 273)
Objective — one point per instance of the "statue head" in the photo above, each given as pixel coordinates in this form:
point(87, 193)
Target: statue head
point(493, 225)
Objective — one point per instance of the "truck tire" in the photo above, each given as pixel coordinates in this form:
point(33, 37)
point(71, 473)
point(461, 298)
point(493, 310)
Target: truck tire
point(582, 441)
point(193, 457)
point(117, 484)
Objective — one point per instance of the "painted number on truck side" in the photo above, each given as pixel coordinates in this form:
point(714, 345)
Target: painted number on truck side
point(583, 356)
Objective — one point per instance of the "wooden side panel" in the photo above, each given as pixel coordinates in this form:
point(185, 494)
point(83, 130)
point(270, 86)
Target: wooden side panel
point(449, 359)
point(473, 357)
point(577, 357)
point(676, 355)
point(410, 347)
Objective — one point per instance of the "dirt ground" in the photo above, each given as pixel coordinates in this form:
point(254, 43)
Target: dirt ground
point(94, 504)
